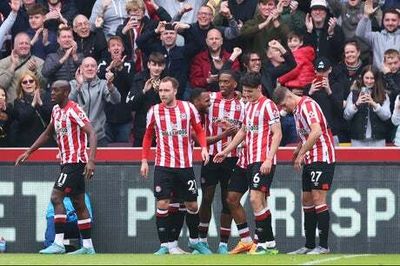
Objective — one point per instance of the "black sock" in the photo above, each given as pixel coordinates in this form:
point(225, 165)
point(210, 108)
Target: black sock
point(263, 226)
point(310, 225)
point(192, 221)
point(323, 224)
point(85, 228)
point(203, 230)
point(180, 219)
point(162, 221)
point(173, 219)
point(224, 234)
point(59, 222)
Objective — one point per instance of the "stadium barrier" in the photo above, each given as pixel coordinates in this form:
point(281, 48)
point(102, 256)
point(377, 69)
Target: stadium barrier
point(364, 202)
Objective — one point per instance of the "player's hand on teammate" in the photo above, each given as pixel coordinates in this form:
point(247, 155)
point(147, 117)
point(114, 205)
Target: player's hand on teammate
point(219, 157)
point(298, 162)
point(266, 167)
point(144, 169)
point(89, 170)
point(22, 158)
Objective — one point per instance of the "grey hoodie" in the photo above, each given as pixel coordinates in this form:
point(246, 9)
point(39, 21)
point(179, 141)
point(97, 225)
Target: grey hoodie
point(92, 97)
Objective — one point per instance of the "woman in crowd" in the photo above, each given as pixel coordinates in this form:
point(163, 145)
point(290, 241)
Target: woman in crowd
point(368, 110)
point(5, 118)
point(32, 111)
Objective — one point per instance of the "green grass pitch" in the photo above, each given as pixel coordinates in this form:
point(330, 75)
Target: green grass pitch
point(133, 259)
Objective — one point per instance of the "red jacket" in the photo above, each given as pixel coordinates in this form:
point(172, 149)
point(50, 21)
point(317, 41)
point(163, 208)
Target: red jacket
point(201, 68)
point(304, 72)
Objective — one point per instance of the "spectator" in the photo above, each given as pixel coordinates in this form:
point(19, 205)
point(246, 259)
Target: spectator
point(71, 230)
point(396, 121)
point(323, 32)
point(292, 16)
point(93, 93)
point(59, 12)
point(328, 93)
point(134, 26)
point(111, 12)
point(44, 40)
point(5, 118)
point(368, 110)
point(20, 61)
point(144, 94)
point(84, 7)
point(118, 116)
point(391, 74)
point(251, 62)
point(90, 43)
point(9, 22)
point(182, 10)
point(300, 77)
point(207, 64)
point(388, 38)
point(63, 64)
point(264, 27)
point(22, 20)
point(32, 111)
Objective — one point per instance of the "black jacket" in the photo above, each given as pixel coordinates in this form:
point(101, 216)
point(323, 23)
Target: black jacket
point(95, 45)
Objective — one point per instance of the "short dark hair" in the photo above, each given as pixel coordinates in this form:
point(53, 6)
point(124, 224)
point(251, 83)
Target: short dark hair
point(61, 84)
point(62, 28)
point(391, 11)
point(251, 80)
point(115, 38)
point(196, 93)
point(246, 57)
point(280, 93)
point(157, 58)
point(295, 34)
point(229, 72)
point(36, 9)
point(174, 81)
point(353, 41)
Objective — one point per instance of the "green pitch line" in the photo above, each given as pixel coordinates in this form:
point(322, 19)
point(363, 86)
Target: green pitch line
point(134, 259)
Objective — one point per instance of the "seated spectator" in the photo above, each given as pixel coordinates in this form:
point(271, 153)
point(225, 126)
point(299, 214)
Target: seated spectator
point(134, 26)
point(264, 27)
point(388, 38)
point(63, 64)
point(396, 121)
point(328, 93)
point(20, 61)
point(391, 74)
point(144, 94)
point(112, 13)
point(207, 64)
point(251, 62)
point(72, 237)
point(44, 40)
point(118, 116)
point(92, 94)
point(5, 118)
point(323, 32)
point(9, 22)
point(32, 112)
point(368, 110)
point(90, 43)
point(300, 77)
point(59, 12)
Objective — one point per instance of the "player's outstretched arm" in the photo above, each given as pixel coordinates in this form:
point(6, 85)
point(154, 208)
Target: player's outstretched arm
point(239, 137)
point(41, 140)
point(89, 168)
point(315, 133)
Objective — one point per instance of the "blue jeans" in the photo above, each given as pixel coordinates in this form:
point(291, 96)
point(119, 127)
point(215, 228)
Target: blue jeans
point(116, 132)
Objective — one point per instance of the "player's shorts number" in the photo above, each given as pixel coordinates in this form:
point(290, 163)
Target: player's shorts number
point(61, 179)
point(192, 185)
point(315, 175)
point(256, 178)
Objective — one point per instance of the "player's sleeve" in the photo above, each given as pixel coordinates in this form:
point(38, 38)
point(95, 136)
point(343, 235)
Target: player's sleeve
point(195, 121)
point(79, 116)
point(311, 112)
point(148, 135)
point(273, 114)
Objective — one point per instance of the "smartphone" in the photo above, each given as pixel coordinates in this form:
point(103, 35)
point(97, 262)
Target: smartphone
point(364, 90)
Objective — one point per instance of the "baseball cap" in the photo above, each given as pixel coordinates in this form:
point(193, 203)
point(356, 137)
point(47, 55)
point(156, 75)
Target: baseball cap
point(322, 64)
point(318, 3)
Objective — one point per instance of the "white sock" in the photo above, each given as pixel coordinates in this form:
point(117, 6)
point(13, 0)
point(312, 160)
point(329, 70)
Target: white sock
point(263, 245)
point(246, 239)
point(59, 239)
point(194, 240)
point(173, 244)
point(203, 240)
point(165, 245)
point(87, 243)
point(223, 244)
point(270, 244)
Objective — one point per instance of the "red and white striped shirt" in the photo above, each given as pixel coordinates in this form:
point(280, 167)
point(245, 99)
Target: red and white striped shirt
point(242, 160)
point(71, 139)
point(260, 116)
point(222, 110)
point(173, 131)
point(308, 112)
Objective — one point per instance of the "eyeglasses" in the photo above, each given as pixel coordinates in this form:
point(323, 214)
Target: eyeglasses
point(28, 81)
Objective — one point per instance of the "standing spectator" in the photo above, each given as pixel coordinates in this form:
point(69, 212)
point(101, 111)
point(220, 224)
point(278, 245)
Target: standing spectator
point(84, 7)
point(9, 21)
point(59, 12)
point(182, 10)
point(44, 40)
point(388, 38)
point(92, 94)
point(22, 20)
point(90, 43)
point(32, 111)
point(5, 118)
point(396, 121)
point(144, 94)
point(368, 110)
point(323, 32)
point(111, 12)
point(207, 64)
point(264, 27)
point(291, 15)
point(63, 64)
point(119, 116)
point(391, 74)
point(20, 61)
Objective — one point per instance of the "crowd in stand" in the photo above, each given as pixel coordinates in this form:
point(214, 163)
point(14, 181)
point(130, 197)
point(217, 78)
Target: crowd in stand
point(342, 53)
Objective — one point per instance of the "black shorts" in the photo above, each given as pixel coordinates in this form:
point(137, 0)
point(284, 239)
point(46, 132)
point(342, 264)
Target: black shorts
point(259, 181)
point(172, 183)
point(239, 181)
point(71, 180)
point(214, 173)
point(318, 175)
